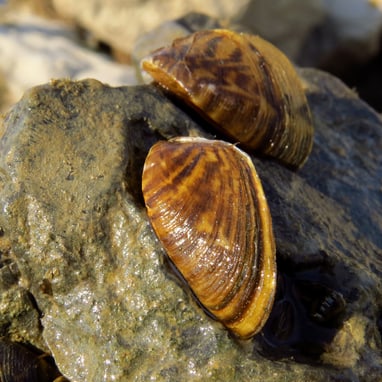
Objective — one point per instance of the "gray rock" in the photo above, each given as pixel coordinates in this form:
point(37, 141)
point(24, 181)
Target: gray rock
point(286, 23)
point(320, 33)
point(71, 157)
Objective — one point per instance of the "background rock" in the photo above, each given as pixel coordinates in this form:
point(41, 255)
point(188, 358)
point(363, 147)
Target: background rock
point(133, 18)
point(286, 23)
point(342, 37)
point(339, 36)
point(34, 50)
point(319, 33)
point(73, 220)
point(313, 32)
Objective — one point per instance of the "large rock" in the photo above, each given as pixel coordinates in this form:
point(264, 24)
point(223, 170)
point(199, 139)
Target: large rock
point(73, 221)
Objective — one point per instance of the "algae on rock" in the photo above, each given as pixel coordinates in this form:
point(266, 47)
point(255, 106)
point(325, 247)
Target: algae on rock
point(71, 157)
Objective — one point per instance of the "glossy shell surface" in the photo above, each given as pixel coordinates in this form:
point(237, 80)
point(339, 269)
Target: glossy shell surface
point(207, 207)
point(244, 86)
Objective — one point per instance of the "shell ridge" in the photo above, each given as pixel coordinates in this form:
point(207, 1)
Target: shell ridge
point(251, 279)
point(215, 225)
point(246, 86)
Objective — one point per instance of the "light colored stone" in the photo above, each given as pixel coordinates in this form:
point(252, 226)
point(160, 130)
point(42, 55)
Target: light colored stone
point(357, 26)
point(120, 23)
point(34, 50)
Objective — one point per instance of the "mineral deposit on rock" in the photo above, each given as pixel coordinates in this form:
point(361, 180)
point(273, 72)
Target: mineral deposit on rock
point(73, 222)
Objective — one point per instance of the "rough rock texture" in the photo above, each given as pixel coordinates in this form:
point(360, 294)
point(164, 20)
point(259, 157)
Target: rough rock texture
point(19, 318)
point(73, 221)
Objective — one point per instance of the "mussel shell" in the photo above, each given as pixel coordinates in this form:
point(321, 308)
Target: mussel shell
point(19, 364)
point(206, 204)
point(242, 84)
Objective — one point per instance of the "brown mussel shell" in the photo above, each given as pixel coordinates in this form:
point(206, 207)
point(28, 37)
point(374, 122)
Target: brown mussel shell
point(242, 84)
point(19, 363)
point(206, 204)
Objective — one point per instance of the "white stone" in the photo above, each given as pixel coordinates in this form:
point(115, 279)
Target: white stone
point(33, 51)
point(357, 22)
point(119, 22)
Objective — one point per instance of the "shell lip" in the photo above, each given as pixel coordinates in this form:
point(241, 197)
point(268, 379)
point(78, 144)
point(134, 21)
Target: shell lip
point(183, 67)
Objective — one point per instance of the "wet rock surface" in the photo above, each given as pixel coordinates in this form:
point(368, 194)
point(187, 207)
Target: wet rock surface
point(75, 229)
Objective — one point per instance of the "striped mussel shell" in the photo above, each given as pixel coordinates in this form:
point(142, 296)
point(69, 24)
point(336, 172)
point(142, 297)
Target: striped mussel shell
point(244, 86)
point(206, 205)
